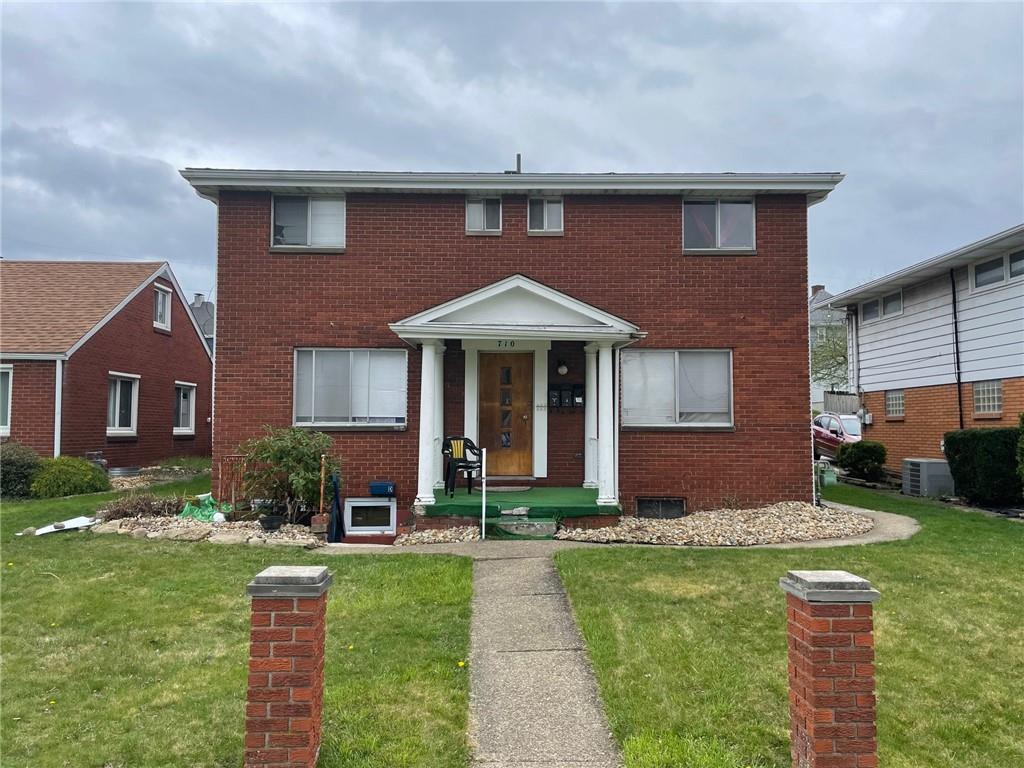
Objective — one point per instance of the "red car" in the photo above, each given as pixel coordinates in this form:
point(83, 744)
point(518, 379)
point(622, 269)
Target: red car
point(830, 430)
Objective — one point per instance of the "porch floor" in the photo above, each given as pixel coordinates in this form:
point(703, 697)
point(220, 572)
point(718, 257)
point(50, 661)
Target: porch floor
point(553, 503)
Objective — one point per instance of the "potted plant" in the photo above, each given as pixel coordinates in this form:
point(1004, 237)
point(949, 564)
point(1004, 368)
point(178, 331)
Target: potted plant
point(282, 468)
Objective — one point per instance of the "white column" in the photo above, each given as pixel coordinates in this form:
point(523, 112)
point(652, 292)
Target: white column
point(590, 420)
point(605, 427)
point(428, 394)
point(471, 407)
point(439, 419)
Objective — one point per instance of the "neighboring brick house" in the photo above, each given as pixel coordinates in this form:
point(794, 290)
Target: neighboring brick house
point(827, 327)
point(102, 356)
point(939, 346)
point(569, 323)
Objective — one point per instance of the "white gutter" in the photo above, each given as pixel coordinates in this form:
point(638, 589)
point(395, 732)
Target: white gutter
point(33, 355)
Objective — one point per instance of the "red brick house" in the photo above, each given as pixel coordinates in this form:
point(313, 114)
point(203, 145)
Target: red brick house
point(643, 336)
point(102, 356)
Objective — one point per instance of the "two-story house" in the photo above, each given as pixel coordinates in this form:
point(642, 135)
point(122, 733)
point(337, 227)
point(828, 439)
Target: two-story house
point(939, 346)
point(102, 357)
point(603, 331)
point(827, 332)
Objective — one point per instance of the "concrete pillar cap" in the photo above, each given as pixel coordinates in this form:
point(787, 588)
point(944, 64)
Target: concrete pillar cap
point(829, 587)
point(290, 581)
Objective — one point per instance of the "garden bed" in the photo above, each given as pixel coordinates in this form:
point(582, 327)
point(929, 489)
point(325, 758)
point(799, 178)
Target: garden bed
point(240, 532)
point(785, 522)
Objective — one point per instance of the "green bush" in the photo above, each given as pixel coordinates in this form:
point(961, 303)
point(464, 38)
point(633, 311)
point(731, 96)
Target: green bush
point(983, 463)
point(864, 459)
point(68, 476)
point(1020, 450)
point(18, 467)
point(283, 467)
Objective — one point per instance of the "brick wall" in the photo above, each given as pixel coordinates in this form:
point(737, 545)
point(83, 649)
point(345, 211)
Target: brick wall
point(930, 412)
point(406, 253)
point(130, 344)
point(32, 392)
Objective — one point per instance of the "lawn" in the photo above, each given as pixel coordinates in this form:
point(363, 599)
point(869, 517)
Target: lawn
point(689, 646)
point(120, 652)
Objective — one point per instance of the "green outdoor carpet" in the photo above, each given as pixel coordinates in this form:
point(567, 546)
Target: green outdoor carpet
point(543, 502)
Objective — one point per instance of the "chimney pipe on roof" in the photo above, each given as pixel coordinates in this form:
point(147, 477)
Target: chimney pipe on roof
point(519, 162)
point(197, 300)
point(816, 289)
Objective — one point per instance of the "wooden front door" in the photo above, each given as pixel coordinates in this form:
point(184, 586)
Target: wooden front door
point(506, 412)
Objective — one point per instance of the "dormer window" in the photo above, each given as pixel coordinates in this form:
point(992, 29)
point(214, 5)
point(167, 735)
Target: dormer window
point(545, 215)
point(161, 307)
point(309, 222)
point(718, 225)
point(483, 215)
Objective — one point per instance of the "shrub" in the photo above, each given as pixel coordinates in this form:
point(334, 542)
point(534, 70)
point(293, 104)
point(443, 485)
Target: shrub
point(983, 463)
point(144, 505)
point(68, 476)
point(283, 467)
point(18, 467)
point(864, 459)
point(1020, 450)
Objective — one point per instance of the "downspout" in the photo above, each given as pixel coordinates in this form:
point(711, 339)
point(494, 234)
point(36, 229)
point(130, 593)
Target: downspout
point(956, 351)
point(58, 405)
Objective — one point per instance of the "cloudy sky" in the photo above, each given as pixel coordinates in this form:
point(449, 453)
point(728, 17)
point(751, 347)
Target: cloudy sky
point(921, 105)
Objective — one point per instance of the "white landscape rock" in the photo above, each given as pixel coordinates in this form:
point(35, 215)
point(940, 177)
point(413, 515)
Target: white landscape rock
point(439, 536)
point(240, 532)
point(784, 522)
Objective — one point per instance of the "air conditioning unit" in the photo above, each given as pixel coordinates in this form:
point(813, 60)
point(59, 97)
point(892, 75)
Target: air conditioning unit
point(927, 477)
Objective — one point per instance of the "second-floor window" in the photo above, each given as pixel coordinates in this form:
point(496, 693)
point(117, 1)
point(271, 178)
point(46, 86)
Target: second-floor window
point(887, 306)
point(545, 214)
point(309, 222)
point(483, 214)
point(162, 308)
point(997, 271)
point(710, 225)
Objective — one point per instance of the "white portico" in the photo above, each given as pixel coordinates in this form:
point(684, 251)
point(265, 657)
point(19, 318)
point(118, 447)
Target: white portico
point(506, 330)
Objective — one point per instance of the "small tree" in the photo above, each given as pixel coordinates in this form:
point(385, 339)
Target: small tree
point(283, 466)
point(829, 358)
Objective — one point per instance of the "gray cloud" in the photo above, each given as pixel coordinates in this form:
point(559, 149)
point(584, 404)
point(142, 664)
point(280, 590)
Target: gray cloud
point(922, 105)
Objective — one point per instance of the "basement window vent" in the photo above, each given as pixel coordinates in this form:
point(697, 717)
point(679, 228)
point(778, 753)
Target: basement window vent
point(660, 508)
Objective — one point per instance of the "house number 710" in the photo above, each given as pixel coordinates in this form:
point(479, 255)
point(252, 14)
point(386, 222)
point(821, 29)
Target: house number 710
point(505, 343)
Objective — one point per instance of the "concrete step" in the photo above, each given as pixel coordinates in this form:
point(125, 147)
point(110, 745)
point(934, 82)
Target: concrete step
point(543, 528)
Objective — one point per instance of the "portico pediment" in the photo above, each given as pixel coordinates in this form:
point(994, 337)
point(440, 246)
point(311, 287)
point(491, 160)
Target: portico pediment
point(516, 307)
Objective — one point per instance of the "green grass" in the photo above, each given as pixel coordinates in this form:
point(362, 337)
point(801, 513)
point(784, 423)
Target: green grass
point(193, 463)
point(689, 646)
point(141, 646)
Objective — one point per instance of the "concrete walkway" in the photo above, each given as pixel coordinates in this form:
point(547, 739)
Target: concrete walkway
point(533, 697)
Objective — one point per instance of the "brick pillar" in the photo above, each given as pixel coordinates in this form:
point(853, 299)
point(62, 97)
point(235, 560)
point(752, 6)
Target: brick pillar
point(286, 667)
point(831, 669)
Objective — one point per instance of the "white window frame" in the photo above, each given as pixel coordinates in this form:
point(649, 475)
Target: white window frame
point(718, 225)
point(882, 314)
point(998, 397)
point(135, 378)
point(5, 429)
point(545, 229)
point(1006, 278)
point(371, 530)
point(349, 425)
point(191, 428)
point(309, 224)
point(689, 425)
point(892, 413)
point(501, 214)
point(168, 294)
